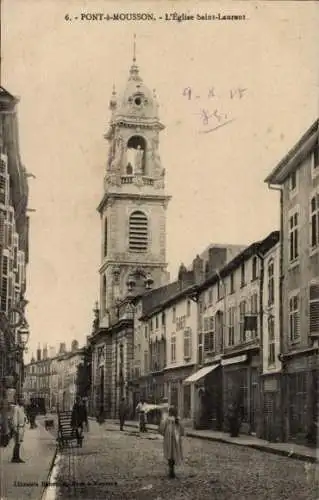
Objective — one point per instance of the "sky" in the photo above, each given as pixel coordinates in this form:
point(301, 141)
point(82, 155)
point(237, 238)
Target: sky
point(257, 78)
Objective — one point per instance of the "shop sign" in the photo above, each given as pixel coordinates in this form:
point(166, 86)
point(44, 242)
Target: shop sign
point(234, 360)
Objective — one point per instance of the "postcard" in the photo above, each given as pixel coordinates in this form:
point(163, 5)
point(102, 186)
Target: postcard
point(159, 249)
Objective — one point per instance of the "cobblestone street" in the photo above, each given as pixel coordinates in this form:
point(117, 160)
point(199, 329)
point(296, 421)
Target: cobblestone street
point(210, 470)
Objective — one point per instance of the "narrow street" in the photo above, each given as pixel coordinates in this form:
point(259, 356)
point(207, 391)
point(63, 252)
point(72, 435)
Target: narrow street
point(127, 465)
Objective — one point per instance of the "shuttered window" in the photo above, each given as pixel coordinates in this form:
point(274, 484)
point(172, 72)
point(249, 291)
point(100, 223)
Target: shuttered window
point(2, 229)
point(173, 349)
point(231, 326)
point(138, 232)
point(187, 343)
point(4, 283)
point(209, 333)
point(271, 288)
point(3, 164)
point(3, 183)
point(200, 348)
point(271, 340)
point(242, 312)
point(294, 236)
point(314, 309)
point(294, 318)
point(314, 220)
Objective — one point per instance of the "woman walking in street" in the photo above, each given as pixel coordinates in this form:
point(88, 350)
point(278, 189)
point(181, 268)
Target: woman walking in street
point(172, 430)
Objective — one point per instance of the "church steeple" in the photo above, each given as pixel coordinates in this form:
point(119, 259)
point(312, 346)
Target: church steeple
point(133, 208)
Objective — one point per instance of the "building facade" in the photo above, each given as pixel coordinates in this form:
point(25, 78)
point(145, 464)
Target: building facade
point(271, 348)
point(297, 177)
point(230, 327)
point(133, 226)
point(14, 225)
point(53, 377)
point(37, 383)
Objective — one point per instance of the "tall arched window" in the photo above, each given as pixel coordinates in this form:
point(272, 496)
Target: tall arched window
point(138, 232)
point(105, 236)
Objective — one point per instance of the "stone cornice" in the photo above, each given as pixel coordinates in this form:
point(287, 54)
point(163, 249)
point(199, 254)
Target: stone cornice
point(132, 263)
point(132, 122)
point(133, 196)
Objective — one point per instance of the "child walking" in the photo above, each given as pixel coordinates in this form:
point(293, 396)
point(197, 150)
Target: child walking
point(172, 430)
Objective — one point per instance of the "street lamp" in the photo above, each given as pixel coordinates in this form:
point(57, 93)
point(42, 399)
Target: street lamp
point(22, 340)
point(23, 337)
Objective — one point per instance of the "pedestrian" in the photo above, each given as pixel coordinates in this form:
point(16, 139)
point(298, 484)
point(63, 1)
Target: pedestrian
point(32, 414)
point(5, 430)
point(233, 418)
point(141, 410)
point(122, 413)
point(78, 418)
point(172, 430)
point(19, 420)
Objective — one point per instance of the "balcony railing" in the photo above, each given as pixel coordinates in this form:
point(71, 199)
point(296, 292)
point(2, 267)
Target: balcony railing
point(129, 179)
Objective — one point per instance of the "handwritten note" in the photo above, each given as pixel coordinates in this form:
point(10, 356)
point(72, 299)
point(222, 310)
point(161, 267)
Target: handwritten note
point(212, 115)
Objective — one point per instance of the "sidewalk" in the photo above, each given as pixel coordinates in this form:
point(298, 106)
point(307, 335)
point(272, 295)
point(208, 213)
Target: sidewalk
point(291, 450)
point(24, 481)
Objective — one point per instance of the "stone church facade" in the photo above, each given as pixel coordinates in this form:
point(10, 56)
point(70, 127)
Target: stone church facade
point(133, 228)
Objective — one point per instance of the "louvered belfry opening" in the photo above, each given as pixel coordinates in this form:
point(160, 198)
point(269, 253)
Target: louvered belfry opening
point(138, 232)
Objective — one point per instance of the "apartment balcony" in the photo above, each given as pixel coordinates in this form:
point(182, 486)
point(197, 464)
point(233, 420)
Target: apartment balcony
point(248, 344)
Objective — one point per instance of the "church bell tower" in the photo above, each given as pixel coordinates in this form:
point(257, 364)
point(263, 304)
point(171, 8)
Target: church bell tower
point(134, 203)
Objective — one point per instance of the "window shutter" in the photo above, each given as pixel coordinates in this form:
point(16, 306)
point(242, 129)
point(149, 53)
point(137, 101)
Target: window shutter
point(211, 323)
point(314, 309)
point(2, 229)
point(3, 185)
point(206, 341)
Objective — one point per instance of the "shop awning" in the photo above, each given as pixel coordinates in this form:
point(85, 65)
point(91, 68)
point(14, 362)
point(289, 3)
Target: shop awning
point(236, 359)
point(194, 377)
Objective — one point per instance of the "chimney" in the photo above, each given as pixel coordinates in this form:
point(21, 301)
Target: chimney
point(39, 353)
point(62, 349)
point(52, 352)
point(198, 269)
point(45, 352)
point(74, 345)
point(217, 258)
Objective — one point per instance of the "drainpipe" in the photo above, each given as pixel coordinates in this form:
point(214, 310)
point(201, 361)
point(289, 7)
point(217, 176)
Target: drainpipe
point(283, 389)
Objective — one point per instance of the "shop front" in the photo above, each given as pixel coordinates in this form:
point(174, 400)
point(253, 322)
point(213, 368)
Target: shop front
point(241, 387)
point(178, 394)
point(301, 388)
point(271, 406)
point(205, 390)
